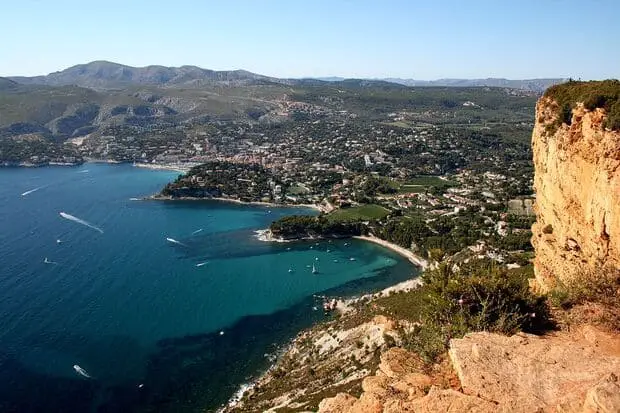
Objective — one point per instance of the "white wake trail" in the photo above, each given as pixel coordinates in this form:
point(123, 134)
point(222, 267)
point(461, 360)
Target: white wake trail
point(80, 221)
point(31, 191)
point(174, 241)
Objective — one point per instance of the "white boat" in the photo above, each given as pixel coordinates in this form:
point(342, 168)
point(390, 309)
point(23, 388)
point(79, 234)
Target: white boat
point(314, 270)
point(290, 270)
point(81, 371)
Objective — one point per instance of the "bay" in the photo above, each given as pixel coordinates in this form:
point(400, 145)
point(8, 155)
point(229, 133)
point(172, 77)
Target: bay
point(160, 326)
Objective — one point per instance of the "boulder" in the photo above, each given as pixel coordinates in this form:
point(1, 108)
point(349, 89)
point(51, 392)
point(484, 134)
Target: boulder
point(340, 403)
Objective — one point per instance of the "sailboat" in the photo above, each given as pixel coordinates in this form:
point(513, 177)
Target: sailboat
point(314, 270)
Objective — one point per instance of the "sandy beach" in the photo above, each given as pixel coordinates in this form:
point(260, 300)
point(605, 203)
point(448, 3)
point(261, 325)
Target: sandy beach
point(414, 259)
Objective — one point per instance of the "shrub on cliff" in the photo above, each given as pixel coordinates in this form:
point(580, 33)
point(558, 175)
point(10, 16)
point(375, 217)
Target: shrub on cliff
point(596, 94)
point(479, 296)
point(599, 287)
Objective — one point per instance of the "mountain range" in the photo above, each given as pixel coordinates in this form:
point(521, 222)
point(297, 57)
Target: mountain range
point(97, 96)
point(109, 75)
point(534, 85)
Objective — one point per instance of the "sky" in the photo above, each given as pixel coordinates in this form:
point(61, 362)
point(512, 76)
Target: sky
point(428, 39)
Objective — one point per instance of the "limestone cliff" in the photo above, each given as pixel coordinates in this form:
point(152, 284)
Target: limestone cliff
point(577, 185)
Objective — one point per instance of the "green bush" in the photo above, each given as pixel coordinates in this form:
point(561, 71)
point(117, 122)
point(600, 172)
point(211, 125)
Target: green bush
point(480, 296)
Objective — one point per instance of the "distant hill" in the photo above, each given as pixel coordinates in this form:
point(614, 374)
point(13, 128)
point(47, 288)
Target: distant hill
point(109, 75)
point(7, 84)
point(534, 85)
point(87, 98)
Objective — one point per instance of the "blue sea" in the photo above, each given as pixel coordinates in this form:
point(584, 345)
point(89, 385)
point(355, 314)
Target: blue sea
point(159, 326)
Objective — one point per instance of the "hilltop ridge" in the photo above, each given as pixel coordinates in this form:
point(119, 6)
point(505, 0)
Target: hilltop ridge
point(102, 74)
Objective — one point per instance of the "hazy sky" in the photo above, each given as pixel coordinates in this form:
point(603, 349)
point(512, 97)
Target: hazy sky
point(292, 38)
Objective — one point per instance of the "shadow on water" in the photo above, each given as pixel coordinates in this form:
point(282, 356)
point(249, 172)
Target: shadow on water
point(37, 375)
point(24, 391)
point(184, 374)
point(200, 372)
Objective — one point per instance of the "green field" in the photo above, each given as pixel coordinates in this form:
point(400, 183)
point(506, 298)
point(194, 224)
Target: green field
point(297, 190)
point(362, 212)
point(422, 183)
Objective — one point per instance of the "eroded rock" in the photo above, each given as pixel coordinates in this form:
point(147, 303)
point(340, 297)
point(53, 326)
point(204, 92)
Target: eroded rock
point(577, 184)
point(527, 373)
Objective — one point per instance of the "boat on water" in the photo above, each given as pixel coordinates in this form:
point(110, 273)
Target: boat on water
point(314, 270)
point(81, 371)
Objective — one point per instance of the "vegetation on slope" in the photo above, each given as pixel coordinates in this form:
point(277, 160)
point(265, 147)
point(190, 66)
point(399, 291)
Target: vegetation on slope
point(246, 182)
point(595, 94)
point(301, 226)
point(592, 296)
point(478, 296)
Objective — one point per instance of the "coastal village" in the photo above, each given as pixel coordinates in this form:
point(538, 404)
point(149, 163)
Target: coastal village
point(394, 165)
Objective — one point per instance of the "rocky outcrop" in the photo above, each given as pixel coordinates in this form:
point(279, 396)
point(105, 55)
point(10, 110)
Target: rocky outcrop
point(402, 385)
point(577, 184)
point(568, 372)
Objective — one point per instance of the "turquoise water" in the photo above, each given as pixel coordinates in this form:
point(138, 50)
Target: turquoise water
point(132, 308)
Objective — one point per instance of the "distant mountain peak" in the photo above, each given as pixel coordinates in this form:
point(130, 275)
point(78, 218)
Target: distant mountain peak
point(102, 74)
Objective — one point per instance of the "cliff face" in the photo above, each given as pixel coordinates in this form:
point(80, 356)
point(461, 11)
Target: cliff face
point(577, 184)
